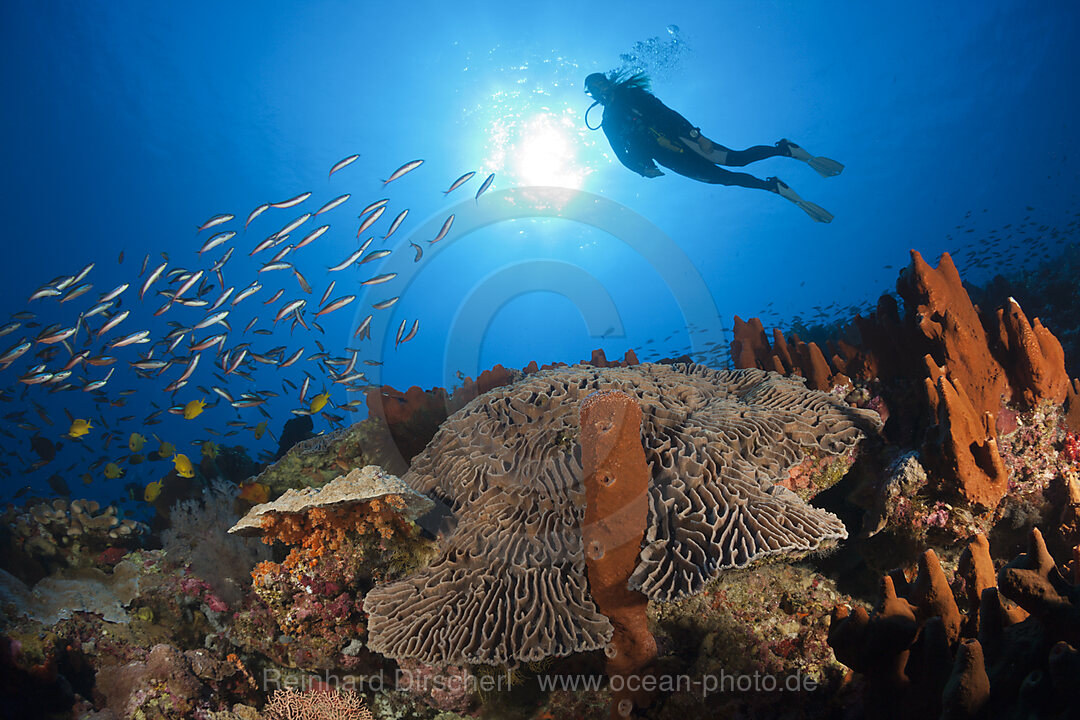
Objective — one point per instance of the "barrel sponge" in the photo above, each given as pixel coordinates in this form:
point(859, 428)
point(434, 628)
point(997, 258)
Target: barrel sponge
point(510, 584)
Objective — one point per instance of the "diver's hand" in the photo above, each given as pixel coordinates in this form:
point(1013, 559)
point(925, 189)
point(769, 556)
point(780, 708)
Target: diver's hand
point(651, 172)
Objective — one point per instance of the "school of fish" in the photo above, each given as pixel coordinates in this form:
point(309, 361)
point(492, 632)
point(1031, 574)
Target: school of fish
point(196, 356)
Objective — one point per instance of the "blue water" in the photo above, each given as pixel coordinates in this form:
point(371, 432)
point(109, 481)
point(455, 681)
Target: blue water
point(128, 124)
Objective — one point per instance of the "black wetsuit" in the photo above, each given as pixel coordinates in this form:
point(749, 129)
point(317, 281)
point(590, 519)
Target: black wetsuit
point(642, 129)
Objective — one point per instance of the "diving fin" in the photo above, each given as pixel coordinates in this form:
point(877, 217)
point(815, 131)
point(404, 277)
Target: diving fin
point(716, 154)
point(826, 167)
point(816, 212)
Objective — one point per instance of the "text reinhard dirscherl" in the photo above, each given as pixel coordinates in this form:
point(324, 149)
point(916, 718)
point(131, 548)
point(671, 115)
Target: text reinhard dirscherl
point(428, 681)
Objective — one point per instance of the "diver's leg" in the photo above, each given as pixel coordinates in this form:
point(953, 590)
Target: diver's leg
point(719, 176)
point(712, 151)
point(716, 153)
point(697, 168)
point(740, 158)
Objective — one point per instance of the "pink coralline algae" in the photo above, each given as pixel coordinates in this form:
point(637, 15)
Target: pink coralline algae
point(200, 589)
point(939, 516)
point(1072, 448)
point(111, 556)
point(817, 472)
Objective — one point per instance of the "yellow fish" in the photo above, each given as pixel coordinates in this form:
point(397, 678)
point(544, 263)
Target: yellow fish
point(166, 450)
point(210, 449)
point(193, 409)
point(260, 429)
point(255, 493)
point(183, 466)
point(79, 428)
point(113, 471)
point(135, 442)
point(152, 491)
point(319, 401)
point(135, 459)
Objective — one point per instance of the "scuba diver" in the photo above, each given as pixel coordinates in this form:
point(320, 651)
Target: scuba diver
point(641, 130)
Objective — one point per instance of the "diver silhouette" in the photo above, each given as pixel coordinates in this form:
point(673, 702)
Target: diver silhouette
point(641, 130)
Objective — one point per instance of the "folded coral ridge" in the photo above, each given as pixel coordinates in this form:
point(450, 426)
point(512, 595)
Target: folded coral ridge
point(510, 584)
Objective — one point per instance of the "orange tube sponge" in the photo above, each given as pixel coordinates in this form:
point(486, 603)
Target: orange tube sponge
point(617, 505)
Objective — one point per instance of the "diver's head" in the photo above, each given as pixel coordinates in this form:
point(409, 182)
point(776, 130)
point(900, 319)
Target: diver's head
point(598, 87)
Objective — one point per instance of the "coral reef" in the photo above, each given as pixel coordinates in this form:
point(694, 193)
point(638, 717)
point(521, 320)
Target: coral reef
point(750, 348)
point(59, 654)
point(889, 500)
point(818, 472)
point(616, 480)
point(509, 467)
point(169, 683)
point(317, 460)
point(768, 623)
point(316, 705)
point(905, 512)
point(1048, 291)
point(968, 373)
point(968, 366)
point(920, 656)
point(412, 417)
point(600, 522)
point(49, 536)
point(70, 591)
point(361, 485)
point(357, 530)
point(199, 537)
point(409, 418)
point(445, 688)
point(398, 426)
